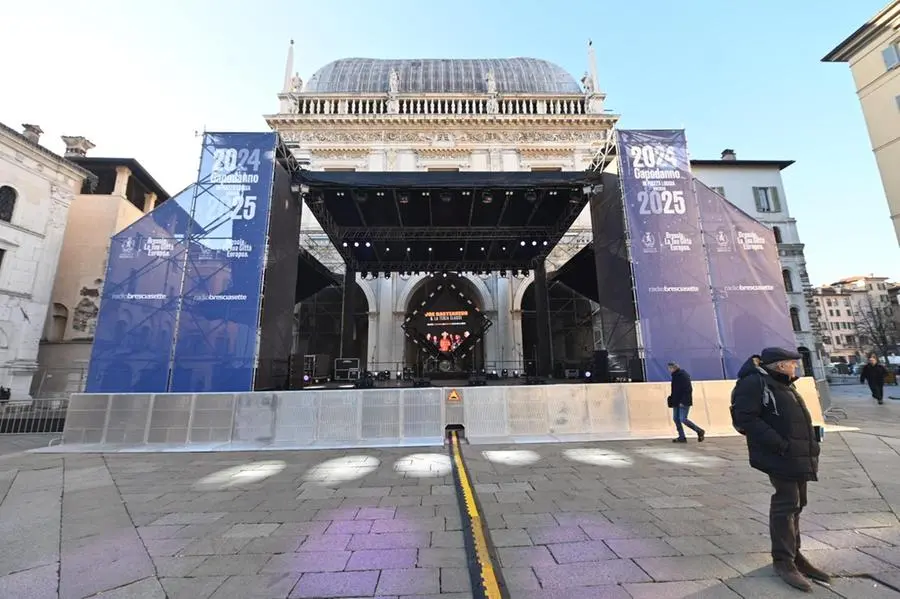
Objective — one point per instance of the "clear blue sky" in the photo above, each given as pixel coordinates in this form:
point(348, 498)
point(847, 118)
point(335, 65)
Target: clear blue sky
point(138, 78)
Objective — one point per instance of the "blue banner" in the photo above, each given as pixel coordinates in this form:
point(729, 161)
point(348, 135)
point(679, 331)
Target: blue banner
point(671, 279)
point(748, 289)
point(216, 340)
point(180, 305)
point(135, 326)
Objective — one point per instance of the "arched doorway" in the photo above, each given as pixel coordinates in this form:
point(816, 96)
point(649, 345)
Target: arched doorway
point(414, 356)
point(317, 325)
point(571, 327)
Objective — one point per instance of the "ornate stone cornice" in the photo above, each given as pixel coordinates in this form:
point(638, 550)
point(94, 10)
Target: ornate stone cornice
point(449, 138)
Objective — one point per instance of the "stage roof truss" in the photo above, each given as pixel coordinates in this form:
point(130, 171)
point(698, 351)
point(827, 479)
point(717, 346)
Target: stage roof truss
point(443, 221)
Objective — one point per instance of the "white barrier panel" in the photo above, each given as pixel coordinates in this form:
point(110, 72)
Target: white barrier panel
point(254, 420)
point(391, 416)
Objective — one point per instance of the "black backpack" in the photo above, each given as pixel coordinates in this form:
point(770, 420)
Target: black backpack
point(762, 399)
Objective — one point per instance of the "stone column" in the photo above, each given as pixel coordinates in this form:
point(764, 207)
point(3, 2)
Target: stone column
point(149, 202)
point(542, 313)
point(123, 174)
point(348, 314)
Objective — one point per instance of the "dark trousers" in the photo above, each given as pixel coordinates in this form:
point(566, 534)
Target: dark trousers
point(680, 416)
point(788, 501)
point(877, 390)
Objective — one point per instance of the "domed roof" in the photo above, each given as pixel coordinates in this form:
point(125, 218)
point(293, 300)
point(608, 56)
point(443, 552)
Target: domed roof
point(372, 76)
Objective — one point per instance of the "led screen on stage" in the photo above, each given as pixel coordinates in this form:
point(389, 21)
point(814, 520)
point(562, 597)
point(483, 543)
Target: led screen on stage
point(447, 323)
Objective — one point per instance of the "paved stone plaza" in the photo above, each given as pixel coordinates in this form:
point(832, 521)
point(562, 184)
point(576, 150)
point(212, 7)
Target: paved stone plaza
point(613, 520)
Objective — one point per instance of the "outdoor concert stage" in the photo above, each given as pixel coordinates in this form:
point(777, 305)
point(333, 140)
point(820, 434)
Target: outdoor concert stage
point(194, 345)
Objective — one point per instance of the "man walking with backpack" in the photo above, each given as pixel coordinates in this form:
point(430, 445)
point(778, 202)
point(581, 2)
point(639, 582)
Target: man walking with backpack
point(782, 443)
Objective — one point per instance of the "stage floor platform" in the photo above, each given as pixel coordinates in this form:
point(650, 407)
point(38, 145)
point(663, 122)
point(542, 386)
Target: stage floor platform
point(391, 417)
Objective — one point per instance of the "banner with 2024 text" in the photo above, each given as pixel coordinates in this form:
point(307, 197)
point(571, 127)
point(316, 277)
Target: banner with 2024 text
point(671, 277)
point(216, 342)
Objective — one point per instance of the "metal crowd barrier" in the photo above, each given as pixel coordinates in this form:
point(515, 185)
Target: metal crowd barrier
point(397, 416)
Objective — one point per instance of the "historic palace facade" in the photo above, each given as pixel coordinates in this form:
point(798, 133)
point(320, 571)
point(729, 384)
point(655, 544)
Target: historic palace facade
point(517, 114)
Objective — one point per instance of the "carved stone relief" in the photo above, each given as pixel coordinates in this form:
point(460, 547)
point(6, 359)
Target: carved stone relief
point(437, 137)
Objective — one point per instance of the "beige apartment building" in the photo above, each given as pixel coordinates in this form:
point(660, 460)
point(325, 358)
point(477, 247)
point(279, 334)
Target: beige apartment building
point(851, 311)
point(873, 53)
point(120, 193)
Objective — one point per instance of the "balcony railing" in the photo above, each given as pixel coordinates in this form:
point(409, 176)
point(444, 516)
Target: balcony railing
point(456, 106)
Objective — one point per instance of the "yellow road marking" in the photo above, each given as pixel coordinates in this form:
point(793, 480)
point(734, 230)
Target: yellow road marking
point(482, 556)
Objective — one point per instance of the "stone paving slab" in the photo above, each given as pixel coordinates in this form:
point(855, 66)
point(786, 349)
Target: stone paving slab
point(612, 520)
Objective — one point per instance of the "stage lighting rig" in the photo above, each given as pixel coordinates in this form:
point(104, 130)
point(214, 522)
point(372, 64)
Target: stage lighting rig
point(531, 196)
point(487, 197)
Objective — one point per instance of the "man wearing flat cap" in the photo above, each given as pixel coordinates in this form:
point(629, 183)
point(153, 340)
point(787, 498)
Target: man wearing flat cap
point(782, 442)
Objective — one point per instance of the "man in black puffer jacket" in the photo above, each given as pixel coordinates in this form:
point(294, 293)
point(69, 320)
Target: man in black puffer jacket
point(782, 442)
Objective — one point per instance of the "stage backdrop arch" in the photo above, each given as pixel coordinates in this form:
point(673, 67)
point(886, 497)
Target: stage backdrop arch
point(414, 355)
point(182, 307)
point(416, 282)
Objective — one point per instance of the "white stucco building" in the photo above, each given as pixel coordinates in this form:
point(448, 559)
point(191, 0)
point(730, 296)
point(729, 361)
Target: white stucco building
point(519, 114)
point(36, 189)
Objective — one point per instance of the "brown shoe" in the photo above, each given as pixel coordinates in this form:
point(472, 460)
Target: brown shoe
point(809, 570)
point(790, 574)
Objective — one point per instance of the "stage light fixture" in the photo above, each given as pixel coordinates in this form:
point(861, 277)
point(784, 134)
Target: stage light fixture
point(408, 249)
point(546, 242)
point(399, 375)
point(515, 374)
point(462, 249)
point(534, 243)
point(446, 197)
point(429, 249)
point(356, 244)
point(531, 196)
point(387, 275)
point(587, 374)
point(345, 244)
point(574, 198)
point(503, 248)
point(368, 245)
point(305, 378)
point(503, 274)
point(482, 248)
point(360, 197)
point(487, 197)
point(403, 198)
point(387, 249)
point(522, 243)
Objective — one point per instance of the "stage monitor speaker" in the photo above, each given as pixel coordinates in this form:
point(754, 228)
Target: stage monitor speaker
point(636, 370)
point(600, 373)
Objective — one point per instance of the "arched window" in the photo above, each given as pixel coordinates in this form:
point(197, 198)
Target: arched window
point(777, 232)
point(8, 198)
point(788, 282)
point(795, 320)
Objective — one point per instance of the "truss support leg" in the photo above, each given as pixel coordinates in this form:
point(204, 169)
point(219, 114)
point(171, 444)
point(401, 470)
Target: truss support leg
point(544, 358)
point(348, 320)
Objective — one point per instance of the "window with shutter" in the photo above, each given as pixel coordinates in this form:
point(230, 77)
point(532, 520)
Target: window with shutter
point(767, 199)
point(891, 56)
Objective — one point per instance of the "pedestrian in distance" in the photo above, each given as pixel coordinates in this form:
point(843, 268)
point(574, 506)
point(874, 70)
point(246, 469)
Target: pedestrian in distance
point(681, 398)
point(783, 443)
point(874, 374)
